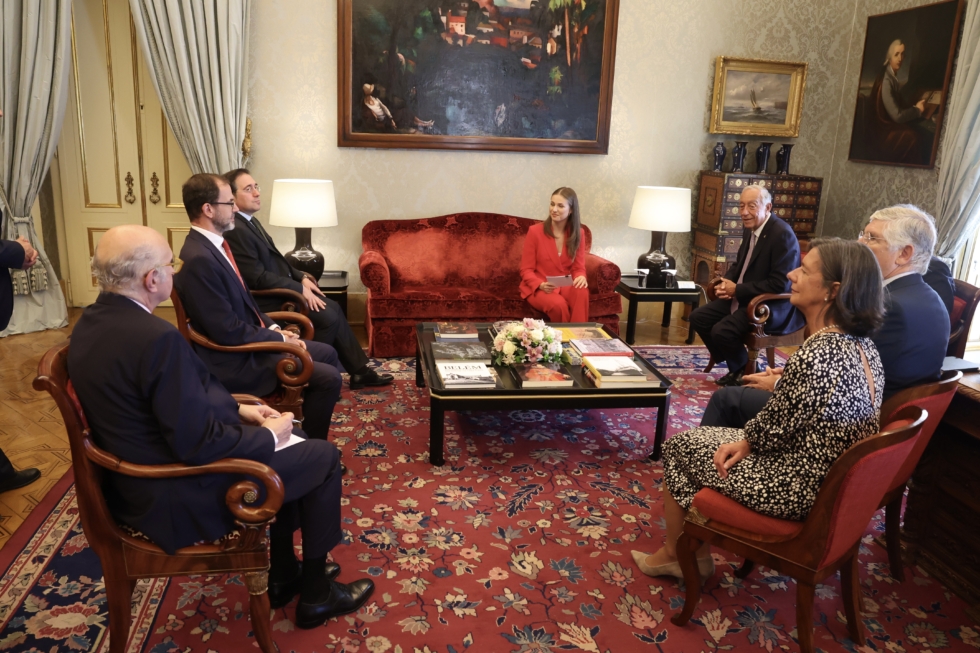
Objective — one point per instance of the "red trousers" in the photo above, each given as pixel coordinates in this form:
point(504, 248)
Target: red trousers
point(566, 304)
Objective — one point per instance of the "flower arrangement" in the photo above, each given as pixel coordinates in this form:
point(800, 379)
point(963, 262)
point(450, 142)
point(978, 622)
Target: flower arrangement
point(530, 341)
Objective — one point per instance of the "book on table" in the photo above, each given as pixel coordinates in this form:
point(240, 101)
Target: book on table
point(461, 350)
point(610, 347)
point(457, 330)
point(648, 381)
point(542, 375)
point(582, 333)
point(617, 369)
point(465, 375)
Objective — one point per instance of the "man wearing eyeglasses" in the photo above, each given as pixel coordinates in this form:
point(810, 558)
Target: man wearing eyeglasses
point(264, 267)
point(221, 308)
point(913, 338)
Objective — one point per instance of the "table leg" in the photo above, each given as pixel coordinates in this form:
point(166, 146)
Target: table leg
point(690, 324)
point(437, 427)
point(419, 377)
point(666, 320)
point(631, 321)
point(661, 432)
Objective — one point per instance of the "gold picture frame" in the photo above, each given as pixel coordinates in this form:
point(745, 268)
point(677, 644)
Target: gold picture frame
point(758, 97)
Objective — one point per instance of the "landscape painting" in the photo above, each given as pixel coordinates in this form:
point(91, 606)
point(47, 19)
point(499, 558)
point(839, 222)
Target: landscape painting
point(757, 97)
point(513, 75)
point(901, 99)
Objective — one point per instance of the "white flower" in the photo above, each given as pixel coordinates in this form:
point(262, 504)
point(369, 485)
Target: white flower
point(537, 335)
point(509, 348)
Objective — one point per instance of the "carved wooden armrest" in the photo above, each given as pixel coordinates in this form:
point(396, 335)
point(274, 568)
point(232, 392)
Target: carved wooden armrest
point(251, 400)
point(292, 300)
point(300, 320)
point(757, 309)
point(286, 368)
point(240, 497)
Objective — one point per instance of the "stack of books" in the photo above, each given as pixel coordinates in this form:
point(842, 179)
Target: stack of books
point(542, 375)
point(607, 347)
point(616, 372)
point(456, 331)
point(466, 375)
point(472, 351)
point(582, 333)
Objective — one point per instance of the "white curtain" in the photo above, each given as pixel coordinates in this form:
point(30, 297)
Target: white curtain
point(197, 51)
point(35, 55)
point(958, 214)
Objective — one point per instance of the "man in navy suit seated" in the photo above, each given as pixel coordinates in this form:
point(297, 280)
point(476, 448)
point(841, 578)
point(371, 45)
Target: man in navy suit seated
point(912, 341)
point(221, 307)
point(151, 401)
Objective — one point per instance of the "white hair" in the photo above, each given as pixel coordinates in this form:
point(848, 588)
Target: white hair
point(891, 50)
point(124, 271)
point(763, 193)
point(906, 224)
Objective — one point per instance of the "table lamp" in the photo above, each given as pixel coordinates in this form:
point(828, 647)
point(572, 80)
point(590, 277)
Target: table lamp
point(660, 209)
point(303, 204)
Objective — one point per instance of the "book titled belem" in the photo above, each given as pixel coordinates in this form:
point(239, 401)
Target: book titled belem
point(542, 375)
point(473, 352)
point(462, 330)
point(465, 375)
point(610, 347)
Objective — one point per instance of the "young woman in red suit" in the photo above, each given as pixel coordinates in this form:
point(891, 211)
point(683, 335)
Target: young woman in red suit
point(555, 248)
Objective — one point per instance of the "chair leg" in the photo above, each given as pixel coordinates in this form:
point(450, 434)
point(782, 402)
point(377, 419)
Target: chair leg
point(750, 366)
point(257, 583)
point(686, 548)
point(745, 569)
point(893, 536)
point(119, 597)
point(851, 593)
point(711, 364)
point(804, 615)
point(771, 356)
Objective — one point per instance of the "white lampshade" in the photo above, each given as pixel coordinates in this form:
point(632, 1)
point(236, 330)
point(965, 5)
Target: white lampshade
point(303, 203)
point(659, 208)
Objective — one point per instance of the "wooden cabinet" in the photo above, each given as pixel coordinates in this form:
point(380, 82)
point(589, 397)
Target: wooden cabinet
point(718, 226)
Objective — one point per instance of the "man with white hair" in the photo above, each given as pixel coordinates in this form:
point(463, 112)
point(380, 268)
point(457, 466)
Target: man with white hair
point(151, 401)
point(912, 341)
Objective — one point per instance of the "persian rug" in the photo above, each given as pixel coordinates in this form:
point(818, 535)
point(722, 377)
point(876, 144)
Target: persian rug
point(520, 543)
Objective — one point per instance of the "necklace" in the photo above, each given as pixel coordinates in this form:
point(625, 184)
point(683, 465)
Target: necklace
point(819, 331)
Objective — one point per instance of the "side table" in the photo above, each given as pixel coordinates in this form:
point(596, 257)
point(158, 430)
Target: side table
point(630, 288)
point(333, 284)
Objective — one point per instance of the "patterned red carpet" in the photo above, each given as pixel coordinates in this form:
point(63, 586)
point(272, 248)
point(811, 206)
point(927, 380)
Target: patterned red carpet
point(520, 543)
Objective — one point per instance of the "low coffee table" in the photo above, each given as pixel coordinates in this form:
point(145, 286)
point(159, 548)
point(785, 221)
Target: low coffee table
point(508, 395)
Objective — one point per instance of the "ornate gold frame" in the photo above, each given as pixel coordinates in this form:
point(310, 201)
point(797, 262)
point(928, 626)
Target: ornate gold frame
point(794, 110)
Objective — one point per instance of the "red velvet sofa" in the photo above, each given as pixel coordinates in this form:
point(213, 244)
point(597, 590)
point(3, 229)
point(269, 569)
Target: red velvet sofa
point(463, 267)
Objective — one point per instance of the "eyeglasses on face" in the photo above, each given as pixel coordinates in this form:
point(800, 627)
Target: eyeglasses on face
point(868, 238)
point(231, 203)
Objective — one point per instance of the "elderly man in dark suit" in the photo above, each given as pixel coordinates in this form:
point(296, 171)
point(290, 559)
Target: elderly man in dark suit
point(264, 267)
point(151, 401)
point(19, 255)
point(221, 308)
point(912, 341)
point(768, 253)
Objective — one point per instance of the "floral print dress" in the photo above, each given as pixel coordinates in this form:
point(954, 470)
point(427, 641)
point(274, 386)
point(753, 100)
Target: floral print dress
point(820, 407)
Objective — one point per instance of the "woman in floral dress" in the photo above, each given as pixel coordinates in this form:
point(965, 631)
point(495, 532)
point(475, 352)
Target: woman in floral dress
point(827, 398)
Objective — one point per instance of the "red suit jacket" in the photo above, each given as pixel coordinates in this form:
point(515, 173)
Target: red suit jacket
point(540, 260)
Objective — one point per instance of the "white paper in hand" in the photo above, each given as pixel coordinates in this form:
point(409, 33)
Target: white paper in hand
point(560, 282)
point(293, 439)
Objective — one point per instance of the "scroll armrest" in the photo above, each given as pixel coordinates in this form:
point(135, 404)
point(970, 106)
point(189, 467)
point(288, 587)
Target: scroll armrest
point(238, 497)
point(251, 400)
point(375, 273)
point(757, 310)
point(301, 320)
point(292, 300)
point(286, 368)
point(603, 276)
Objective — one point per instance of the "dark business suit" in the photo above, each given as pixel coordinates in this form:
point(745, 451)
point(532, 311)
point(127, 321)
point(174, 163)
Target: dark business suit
point(11, 256)
point(263, 267)
point(911, 342)
point(151, 401)
point(940, 278)
point(220, 308)
point(776, 253)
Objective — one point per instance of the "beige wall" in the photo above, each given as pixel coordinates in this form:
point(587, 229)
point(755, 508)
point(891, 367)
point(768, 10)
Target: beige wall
point(661, 105)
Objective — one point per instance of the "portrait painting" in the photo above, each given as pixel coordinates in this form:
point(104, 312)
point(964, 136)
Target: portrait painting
point(511, 75)
point(902, 91)
point(757, 97)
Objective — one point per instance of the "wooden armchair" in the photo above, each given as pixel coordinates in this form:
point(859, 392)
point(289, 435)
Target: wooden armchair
point(292, 380)
point(292, 301)
point(965, 300)
point(757, 339)
point(934, 398)
point(127, 557)
point(810, 550)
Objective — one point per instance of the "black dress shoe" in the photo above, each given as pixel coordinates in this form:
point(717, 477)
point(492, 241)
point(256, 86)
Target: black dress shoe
point(341, 599)
point(281, 593)
point(728, 379)
point(369, 378)
point(19, 479)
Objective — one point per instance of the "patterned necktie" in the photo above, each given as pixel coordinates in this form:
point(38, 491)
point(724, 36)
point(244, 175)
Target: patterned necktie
point(745, 265)
point(231, 259)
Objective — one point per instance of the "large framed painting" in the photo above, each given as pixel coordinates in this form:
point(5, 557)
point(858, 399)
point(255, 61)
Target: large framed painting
point(510, 75)
point(908, 61)
point(758, 97)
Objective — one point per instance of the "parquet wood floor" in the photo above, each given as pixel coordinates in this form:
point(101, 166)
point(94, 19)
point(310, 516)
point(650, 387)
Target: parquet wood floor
point(33, 435)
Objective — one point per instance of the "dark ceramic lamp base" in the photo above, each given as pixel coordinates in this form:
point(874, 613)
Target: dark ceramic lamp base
point(303, 257)
point(658, 243)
